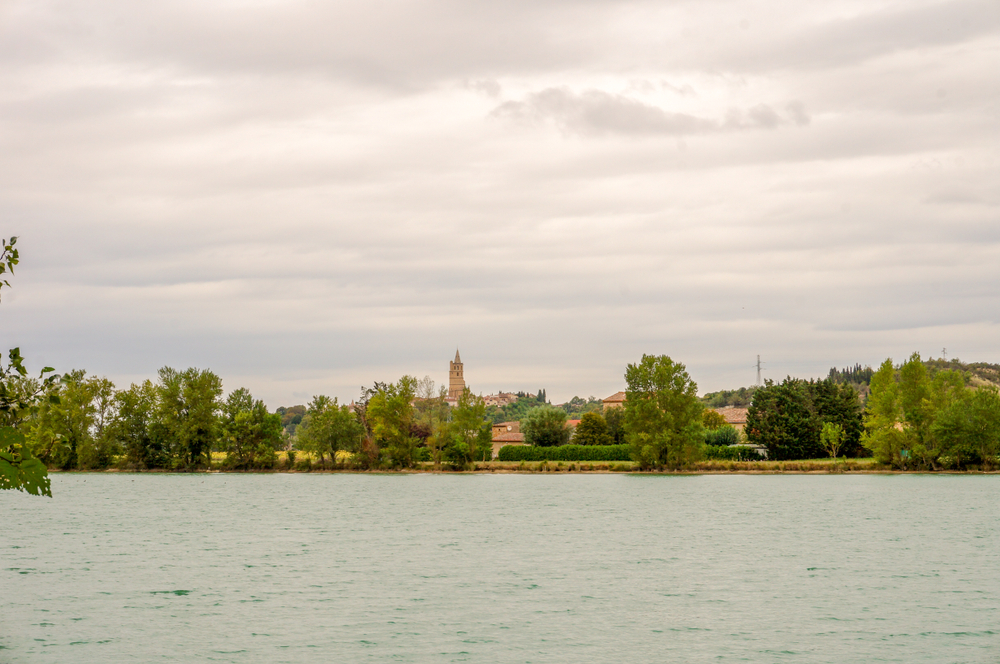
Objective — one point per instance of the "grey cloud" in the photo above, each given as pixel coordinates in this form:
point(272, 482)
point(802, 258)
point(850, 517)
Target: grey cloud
point(488, 87)
point(598, 113)
point(797, 113)
point(865, 36)
point(412, 45)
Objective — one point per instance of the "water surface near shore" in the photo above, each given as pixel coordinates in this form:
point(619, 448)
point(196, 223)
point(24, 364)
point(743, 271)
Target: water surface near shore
point(502, 568)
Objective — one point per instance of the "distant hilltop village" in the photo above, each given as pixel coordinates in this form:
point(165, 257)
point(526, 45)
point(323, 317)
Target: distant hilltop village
point(456, 386)
point(506, 424)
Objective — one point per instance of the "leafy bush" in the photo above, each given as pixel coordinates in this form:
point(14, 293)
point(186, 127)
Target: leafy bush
point(734, 453)
point(722, 436)
point(565, 453)
point(545, 426)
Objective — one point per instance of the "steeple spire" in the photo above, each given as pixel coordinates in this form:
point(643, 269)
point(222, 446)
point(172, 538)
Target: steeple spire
point(458, 360)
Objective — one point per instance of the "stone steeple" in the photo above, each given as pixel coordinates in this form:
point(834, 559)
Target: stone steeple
point(456, 378)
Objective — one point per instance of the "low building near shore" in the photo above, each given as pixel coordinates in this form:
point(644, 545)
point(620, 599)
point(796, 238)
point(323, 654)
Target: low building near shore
point(506, 437)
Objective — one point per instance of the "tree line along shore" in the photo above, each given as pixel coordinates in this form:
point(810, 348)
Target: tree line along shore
point(910, 416)
point(918, 415)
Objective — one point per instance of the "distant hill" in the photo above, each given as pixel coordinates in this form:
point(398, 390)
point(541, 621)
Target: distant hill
point(739, 397)
point(977, 374)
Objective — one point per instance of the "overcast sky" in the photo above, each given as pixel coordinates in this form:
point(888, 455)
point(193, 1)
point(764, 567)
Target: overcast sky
point(306, 197)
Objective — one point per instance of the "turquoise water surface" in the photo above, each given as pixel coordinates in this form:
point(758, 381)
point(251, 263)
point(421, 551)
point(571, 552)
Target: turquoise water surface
point(502, 568)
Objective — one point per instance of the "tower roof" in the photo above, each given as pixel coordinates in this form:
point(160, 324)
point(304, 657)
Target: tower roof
point(458, 360)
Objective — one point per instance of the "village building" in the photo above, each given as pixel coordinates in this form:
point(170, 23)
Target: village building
point(500, 400)
point(506, 433)
point(616, 400)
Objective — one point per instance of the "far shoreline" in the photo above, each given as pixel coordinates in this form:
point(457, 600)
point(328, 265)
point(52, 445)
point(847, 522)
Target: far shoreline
point(564, 468)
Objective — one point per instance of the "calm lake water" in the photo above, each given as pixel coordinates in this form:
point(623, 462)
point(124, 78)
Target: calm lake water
point(502, 568)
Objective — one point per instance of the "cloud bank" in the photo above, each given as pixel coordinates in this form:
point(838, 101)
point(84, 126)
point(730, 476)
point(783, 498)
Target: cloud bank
point(307, 197)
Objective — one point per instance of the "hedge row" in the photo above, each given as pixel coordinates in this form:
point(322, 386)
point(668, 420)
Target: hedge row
point(734, 453)
point(565, 453)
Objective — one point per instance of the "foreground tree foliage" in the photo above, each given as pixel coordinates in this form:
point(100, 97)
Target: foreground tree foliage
point(20, 397)
point(662, 413)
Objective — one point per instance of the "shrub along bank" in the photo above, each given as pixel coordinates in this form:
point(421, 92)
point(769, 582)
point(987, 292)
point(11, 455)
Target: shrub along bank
point(731, 453)
point(565, 453)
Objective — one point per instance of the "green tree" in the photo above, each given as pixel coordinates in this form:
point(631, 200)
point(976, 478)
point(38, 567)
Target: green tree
point(100, 448)
point(722, 436)
point(469, 434)
point(434, 412)
point(832, 438)
point(787, 418)
point(515, 412)
point(740, 398)
point(71, 419)
point(615, 418)
point(780, 419)
point(712, 419)
point(389, 414)
point(187, 414)
point(592, 430)
point(545, 426)
point(884, 434)
point(250, 434)
point(329, 427)
point(662, 413)
point(839, 404)
point(132, 428)
point(577, 407)
point(968, 428)
point(902, 409)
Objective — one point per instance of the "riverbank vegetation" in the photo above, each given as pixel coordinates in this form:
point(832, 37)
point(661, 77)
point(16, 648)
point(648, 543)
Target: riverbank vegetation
point(915, 418)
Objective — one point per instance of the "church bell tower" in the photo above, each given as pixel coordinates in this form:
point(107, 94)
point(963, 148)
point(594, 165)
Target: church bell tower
point(456, 378)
